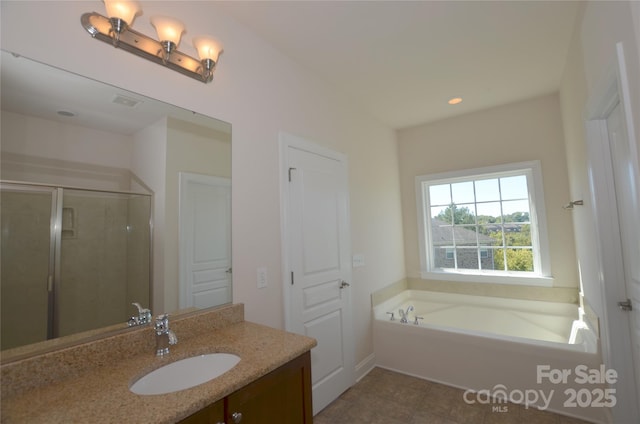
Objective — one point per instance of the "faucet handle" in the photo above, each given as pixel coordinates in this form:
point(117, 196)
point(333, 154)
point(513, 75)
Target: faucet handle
point(143, 317)
point(162, 322)
point(144, 314)
point(392, 317)
point(416, 320)
point(173, 339)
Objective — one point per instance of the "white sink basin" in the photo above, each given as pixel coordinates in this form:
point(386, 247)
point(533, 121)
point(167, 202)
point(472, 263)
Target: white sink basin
point(185, 374)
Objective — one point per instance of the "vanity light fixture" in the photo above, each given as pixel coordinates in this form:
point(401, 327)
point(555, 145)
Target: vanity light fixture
point(455, 100)
point(117, 29)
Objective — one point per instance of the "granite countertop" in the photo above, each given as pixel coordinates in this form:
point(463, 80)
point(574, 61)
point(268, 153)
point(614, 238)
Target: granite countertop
point(101, 394)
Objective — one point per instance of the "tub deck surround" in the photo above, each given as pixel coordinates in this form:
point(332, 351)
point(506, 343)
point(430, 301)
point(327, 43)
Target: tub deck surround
point(100, 394)
point(463, 342)
point(537, 321)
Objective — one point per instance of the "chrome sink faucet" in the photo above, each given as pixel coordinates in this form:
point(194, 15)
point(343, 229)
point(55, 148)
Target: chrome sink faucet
point(164, 336)
point(404, 315)
point(143, 317)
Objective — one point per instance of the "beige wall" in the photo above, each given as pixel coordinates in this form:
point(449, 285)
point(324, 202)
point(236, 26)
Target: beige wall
point(260, 92)
point(518, 132)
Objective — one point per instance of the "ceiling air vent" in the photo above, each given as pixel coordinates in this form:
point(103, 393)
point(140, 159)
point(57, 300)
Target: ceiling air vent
point(125, 101)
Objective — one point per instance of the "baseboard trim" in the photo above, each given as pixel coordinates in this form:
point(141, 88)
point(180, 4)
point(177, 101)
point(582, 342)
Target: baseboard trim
point(365, 366)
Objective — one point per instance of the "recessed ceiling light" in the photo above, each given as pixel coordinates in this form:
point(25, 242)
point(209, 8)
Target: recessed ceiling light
point(455, 100)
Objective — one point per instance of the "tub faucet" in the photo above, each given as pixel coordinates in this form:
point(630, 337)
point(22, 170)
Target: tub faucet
point(164, 336)
point(404, 315)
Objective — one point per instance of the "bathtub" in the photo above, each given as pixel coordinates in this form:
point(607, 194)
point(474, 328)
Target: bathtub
point(504, 348)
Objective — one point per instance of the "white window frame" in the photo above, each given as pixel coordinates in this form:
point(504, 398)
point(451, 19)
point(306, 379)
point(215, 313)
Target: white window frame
point(541, 276)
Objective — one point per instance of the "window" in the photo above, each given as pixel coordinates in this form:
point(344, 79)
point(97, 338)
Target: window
point(484, 225)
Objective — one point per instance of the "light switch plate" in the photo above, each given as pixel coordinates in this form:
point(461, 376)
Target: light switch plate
point(358, 260)
point(262, 277)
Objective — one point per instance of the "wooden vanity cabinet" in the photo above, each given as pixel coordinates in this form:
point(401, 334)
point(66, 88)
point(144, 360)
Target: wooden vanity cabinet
point(212, 414)
point(283, 396)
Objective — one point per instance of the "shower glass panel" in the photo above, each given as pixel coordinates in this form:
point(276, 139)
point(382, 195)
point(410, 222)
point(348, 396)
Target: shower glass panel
point(25, 216)
point(104, 259)
point(92, 261)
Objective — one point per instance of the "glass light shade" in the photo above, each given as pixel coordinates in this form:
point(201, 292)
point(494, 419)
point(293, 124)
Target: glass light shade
point(122, 9)
point(207, 47)
point(168, 29)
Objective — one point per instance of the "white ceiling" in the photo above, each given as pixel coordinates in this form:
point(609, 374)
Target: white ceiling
point(402, 60)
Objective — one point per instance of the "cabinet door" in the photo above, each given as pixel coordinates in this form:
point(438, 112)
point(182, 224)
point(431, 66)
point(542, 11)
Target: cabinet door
point(212, 414)
point(282, 396)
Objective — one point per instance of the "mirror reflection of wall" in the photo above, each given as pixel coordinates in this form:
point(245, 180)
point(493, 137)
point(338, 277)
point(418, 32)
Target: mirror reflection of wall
point(68, 131)
point(214, 146)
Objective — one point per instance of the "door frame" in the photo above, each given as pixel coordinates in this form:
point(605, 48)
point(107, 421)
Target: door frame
point(615, 331)
point(285, 141)
point(184, 178)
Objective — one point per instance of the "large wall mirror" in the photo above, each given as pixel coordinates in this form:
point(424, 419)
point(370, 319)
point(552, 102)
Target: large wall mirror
point(109, 198)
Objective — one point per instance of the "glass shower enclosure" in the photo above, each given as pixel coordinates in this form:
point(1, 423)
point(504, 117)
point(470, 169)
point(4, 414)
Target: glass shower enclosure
point(72, 260)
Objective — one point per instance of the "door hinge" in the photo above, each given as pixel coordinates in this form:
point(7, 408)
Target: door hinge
point(626, 305)
point(291, 169)
point(292, 278)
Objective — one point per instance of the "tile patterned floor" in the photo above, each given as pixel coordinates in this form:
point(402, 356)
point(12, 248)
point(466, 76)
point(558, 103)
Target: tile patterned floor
point(386, 397)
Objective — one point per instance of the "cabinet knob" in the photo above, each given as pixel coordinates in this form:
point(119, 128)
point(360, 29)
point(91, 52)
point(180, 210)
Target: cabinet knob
point(237, 417)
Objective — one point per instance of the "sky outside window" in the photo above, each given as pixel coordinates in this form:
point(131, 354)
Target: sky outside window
point(487, 193)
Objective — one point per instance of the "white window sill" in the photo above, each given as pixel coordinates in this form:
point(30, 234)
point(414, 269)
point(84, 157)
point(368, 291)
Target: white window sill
point(468, 277)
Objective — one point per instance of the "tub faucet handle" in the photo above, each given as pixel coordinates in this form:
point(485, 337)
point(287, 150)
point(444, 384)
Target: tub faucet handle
point(416, 319)
point(392, 317)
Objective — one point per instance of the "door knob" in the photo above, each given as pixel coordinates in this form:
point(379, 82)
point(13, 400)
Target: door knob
point(344, 284)
point(236, 417)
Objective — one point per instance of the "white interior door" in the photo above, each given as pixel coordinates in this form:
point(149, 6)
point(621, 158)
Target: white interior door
point(319, 270)
point(205, 240)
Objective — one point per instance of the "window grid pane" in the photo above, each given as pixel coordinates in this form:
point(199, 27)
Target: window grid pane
point(486, 225)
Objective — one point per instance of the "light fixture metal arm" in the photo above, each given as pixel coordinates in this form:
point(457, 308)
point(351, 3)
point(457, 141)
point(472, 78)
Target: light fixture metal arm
point(144, 46)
